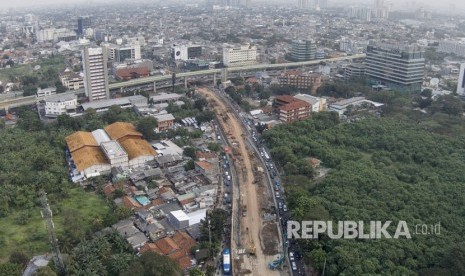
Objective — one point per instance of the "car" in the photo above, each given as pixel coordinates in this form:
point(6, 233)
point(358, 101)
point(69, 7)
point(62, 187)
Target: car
point(278, 195)
point(294, 266)
point(291, 256)
point(280, 205)
point(285, 208)
point(229, 178)
point(226, 173)
point(276, 188)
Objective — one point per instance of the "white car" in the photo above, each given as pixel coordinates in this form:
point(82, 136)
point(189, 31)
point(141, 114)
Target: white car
point(291, 256)
point(294, 266)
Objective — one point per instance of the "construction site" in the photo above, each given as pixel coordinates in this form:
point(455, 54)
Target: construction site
point(255, 239)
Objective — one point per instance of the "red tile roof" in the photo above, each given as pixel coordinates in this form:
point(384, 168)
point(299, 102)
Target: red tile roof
point(294, 105)
point(286, 99)
point(167, 245)
point(130, 73)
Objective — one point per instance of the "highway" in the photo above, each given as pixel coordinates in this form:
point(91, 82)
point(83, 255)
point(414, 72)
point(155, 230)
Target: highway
point(28, 100)
point(231, 69)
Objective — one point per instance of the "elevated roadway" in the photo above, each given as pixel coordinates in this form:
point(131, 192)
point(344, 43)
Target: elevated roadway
point(28, 100)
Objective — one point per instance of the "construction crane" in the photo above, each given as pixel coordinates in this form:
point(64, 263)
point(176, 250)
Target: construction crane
point(46, 213)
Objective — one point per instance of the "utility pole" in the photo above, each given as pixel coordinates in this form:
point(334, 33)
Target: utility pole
point(47, 216)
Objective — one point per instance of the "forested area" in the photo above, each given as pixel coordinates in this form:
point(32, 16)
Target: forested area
point(381, 169)
point(107, 253)
point(32, 158)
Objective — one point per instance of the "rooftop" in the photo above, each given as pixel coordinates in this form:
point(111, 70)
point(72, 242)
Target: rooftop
point(137, 147)
point(113, 149)
point(294, 105)
point(86, 157)
point(165, 97)
point(120, 130)
point(60, 98)
point(80, 139)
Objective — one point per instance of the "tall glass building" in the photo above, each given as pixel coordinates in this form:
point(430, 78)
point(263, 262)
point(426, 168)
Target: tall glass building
point(399, 68)
point(303, 50)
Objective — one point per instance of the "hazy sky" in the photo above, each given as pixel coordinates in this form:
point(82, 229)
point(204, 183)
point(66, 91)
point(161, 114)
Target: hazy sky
point(409, 4)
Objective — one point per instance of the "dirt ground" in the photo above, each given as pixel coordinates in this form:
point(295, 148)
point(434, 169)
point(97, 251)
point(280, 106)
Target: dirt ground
point(270, 238)
point(252, 223)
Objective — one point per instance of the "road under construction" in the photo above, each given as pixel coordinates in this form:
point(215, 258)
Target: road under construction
point(247, 207)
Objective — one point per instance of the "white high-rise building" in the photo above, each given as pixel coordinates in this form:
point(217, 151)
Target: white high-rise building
point(461, 81)
point(362, 13)
point(238, 56)
point(95, 73)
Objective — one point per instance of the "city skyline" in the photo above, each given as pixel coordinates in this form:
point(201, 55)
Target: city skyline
point(450, 5)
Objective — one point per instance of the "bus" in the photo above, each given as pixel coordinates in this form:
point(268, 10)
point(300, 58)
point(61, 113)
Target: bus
point(226, 262)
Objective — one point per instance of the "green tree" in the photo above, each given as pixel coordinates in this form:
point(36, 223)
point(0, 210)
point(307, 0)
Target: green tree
point(10, 269)
point(29, 90)
point(147, 126)
point(45, 271)
point(189, 152)
point(196, 272)
point(152, 264)
point(19, 258)
point(214, 147)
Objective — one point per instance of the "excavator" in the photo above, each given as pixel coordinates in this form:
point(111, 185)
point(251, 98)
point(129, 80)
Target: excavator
point(273, 265)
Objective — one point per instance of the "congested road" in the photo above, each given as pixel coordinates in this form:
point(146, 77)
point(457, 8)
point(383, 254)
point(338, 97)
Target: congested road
point(293, 255)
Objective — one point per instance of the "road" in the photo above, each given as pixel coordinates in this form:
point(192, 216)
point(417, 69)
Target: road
point(150, 80)
point(251, 224)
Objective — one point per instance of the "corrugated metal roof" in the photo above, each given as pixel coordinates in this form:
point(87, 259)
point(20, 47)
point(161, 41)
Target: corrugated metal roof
point(88, 156)
point(119, 130)
point(100, 136)
point(80, 139)
point(137, 147)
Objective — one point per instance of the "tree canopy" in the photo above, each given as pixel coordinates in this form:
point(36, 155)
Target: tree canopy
point(381, 169)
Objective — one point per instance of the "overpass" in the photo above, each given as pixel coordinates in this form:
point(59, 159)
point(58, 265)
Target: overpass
point(225, 71)
point(28, 100)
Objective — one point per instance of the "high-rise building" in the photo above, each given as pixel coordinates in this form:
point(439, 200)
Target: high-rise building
point(362, 13)
point(303, 50)
point(83, 23)
point(398, 67)
point(380, 10)
point(354, 70)
point(303, 4)
point(238, 56)
point(456, 47)
point(95, 73)
point(186, 52)
point(461, 81)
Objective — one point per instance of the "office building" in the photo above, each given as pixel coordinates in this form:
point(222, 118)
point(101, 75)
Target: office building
point(317, 104)
point(461, 81)
point(303, 4)
point(303, 50)
point(238, 56)
point(60, 104)
point(456, 47)
point(295, 111)
point(398, 67)
point(354, 70)
point(83, 23)
point(95, 73)
point(72, 81)
point(361, 13)
point(380, 10)
point(300, 80)
point(121, 53)
point(186, 52)
point(46, 92)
